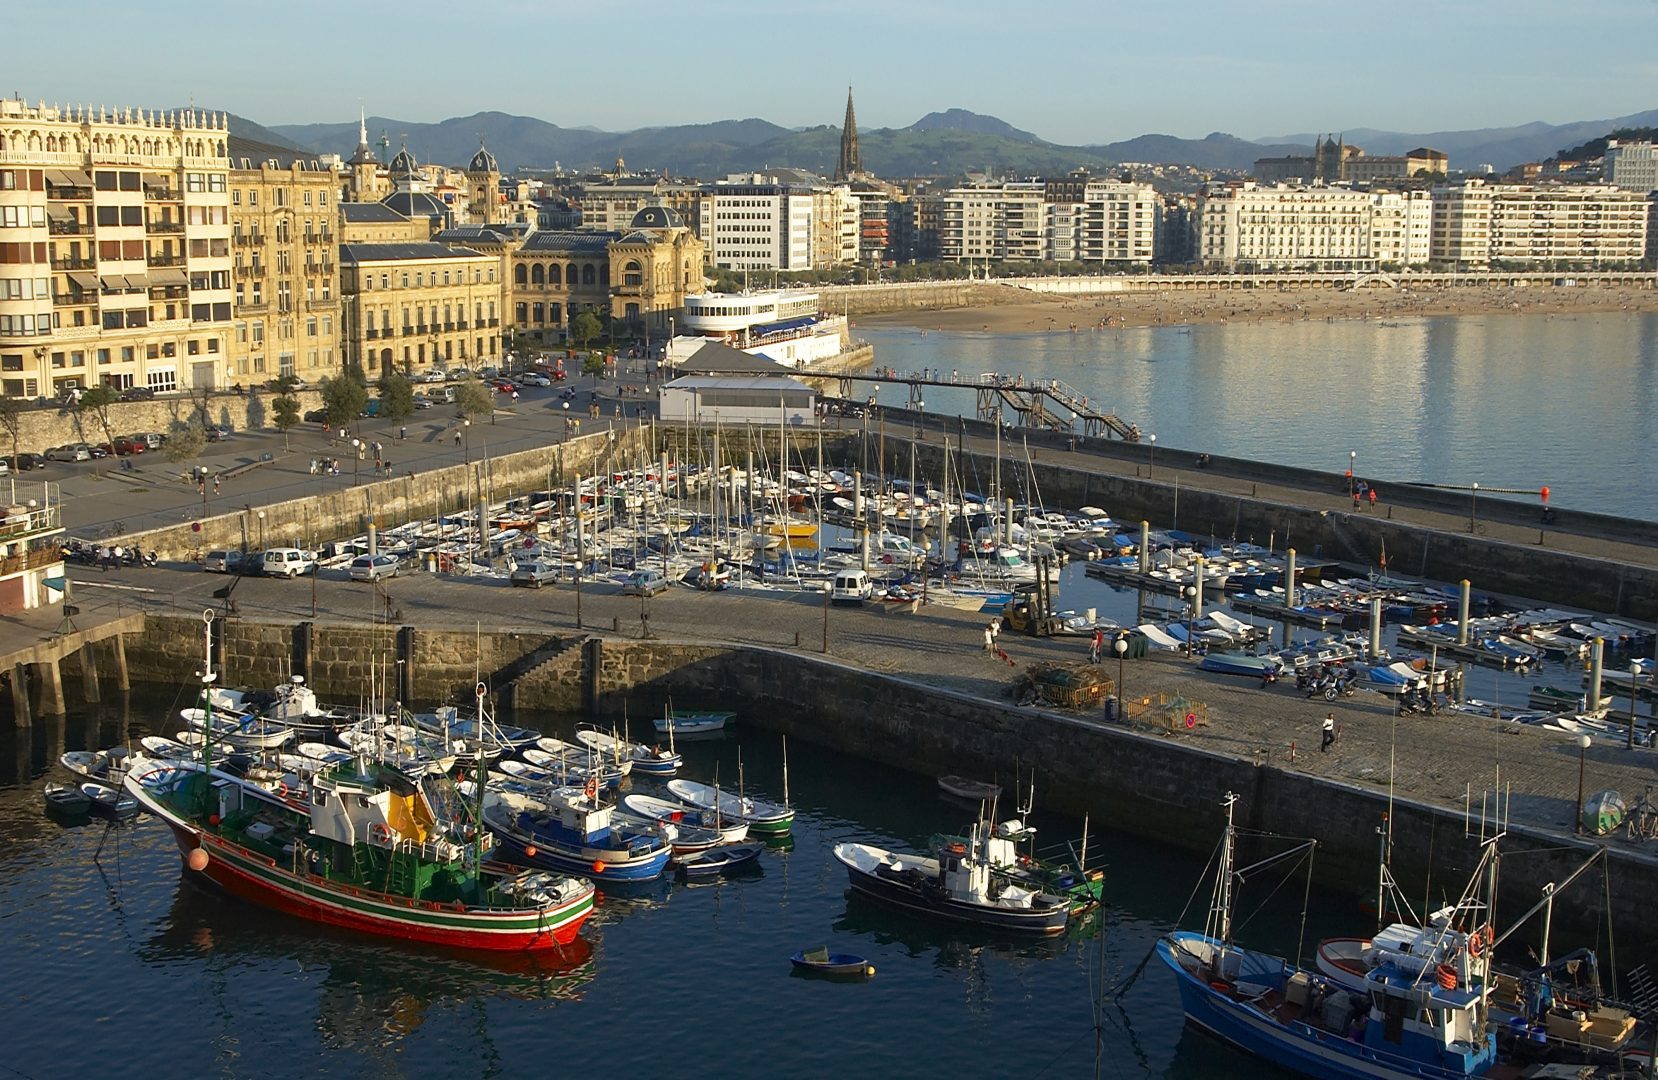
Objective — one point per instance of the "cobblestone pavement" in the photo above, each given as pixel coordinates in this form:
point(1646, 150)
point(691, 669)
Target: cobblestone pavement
point(1450, 760)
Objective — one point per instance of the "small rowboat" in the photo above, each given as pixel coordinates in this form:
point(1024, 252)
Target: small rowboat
point(683, 723)
point(972, 790)
point(116, 805)
point(834, 965)
point(725, 859)
point(66, 800)
point(107, 767)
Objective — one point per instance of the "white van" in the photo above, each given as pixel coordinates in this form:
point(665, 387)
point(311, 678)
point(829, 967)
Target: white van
point(851, 587)
point(288, 562)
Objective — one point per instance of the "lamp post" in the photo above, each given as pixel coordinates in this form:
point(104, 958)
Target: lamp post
point(1582, 748)
point(1151, 464)
point(1190, 594)
point(1352, 458)
point(1120, 647)
point(261, 530)
point(466, 440)
point(828, 589)
point(356, 461)
point(1473, 503)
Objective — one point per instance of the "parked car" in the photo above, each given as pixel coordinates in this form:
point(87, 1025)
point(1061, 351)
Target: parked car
point(533, 575)
point(288, 562)
point(222, 562)
point(373, 567)
point(456, 374)
point(5, 467)
point(421, 401)
point(25, 461)
point(70, 452)
point(316, 416)
point(644, 583)
point(137, 393)
point(505, 386)
point(217, 432)
point(98, 450)
point(436, 375)
point(490, 372)
point(152, 439)
point(130, 444)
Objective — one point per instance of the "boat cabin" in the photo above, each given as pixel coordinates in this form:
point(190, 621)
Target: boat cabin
point(1417, 1016)
point(381, 809)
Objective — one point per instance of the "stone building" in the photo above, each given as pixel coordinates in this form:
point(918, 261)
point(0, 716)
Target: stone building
point(285, 243)
point(411, 306)
point(115, 260)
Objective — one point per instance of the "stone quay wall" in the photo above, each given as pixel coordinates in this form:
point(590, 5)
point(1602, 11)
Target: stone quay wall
point(46, 426)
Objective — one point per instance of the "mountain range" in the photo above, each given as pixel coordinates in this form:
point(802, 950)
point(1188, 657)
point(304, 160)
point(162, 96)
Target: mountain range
point(952, 142)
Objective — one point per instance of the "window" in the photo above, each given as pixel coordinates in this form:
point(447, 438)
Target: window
point(311, 326)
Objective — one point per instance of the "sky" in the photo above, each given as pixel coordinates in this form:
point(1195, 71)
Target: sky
point(1071, 71)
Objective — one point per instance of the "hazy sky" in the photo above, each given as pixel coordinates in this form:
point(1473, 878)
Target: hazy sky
point(1072, 71)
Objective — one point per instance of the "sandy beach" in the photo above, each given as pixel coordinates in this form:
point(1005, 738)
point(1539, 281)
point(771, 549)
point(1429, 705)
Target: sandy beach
point(1004, 309)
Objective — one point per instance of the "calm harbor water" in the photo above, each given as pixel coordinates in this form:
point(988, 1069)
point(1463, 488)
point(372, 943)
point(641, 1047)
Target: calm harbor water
point(112, 955)
point(1570, 402)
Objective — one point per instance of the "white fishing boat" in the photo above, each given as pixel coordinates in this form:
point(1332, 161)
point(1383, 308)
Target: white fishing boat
point(763, 818)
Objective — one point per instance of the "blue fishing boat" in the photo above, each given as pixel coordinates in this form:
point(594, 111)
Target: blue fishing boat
point(570, 829)
point(1254, 667)
point(1428, 1024)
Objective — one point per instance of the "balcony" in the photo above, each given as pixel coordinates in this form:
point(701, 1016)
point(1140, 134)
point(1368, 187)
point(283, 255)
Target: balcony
point(168, 194)
point(371, 333)
point(65, 193)
point(74, 298)
point(72, 262)
point(420, 328)
point(165, 260)
point(247, 239)
point(495, 322)
point(448, 327)
point(68, 228)
point(408, 331)
point(165, 227)
point(461, 325)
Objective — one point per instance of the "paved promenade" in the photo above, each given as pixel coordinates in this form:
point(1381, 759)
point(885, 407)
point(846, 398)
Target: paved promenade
point(1445, 760)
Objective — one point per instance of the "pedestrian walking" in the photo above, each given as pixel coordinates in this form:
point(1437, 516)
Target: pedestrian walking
point(995, 628)
point(402, 433)
point(215, 483)
point(1329, 733)
point(989, 640)
point(1095, 646)
point(457, 436)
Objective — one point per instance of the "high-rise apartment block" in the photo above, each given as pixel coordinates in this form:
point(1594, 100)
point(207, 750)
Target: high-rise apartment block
point(115, 253)
point(1045, 221)
point(1632, 165)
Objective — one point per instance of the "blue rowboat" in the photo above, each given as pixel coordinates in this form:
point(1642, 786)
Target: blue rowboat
point(835, 965)
point(724, 859)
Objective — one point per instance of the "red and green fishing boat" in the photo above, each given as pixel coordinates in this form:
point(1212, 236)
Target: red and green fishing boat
point(363, 849)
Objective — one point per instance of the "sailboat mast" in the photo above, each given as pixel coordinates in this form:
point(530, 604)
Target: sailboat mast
point(1225, 882)
point(785, 772)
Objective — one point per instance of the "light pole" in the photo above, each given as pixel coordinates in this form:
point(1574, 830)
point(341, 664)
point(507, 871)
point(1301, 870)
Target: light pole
point(356, 461)
point(261, 530)
point(1190, 593)
point(828, 589)
point(1582, 748)
point(466, 440)
point(1120, 647)
point(1473, 503)
point(1151, 464)
point(1352, 488)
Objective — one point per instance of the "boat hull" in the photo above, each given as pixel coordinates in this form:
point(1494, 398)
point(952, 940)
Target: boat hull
point(1297, 1047)
point(1043, 922)
point(259, 881)
point(549, 855)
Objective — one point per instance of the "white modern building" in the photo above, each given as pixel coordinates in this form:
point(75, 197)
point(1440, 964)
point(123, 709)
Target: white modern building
point(768, 400)
point(1573, 224)
point(1401, 228)
point(785, 326)
point(1632, 166)
point(1119, 222)
point(1247, 227)
point(757, 226)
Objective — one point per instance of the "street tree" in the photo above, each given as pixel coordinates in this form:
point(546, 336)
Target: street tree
point(99, 400)
point(185, 440)
point(344, 397)
point(11, 419)
point(585, 329)
point(473, 398)
point(396, 397)
point(285, 414)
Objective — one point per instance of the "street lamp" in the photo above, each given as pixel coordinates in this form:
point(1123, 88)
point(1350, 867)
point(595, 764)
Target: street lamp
point(828, 589)
point(1120, 647)
point(466, 439)
point(1473, 502)
point(1582, 748)
point(356, 460)
point(261, 530)
point(1152, 463)
point(1190, 593)
point(1352, 488)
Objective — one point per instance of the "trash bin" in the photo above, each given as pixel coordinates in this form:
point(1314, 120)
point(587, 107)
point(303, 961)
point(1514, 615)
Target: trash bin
point(1111, 708)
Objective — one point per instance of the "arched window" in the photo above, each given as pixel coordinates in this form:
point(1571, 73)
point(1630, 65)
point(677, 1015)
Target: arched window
point(587, 274)
point(555, 275)
point(538, 276)
point(631, 274)
point(518, 274)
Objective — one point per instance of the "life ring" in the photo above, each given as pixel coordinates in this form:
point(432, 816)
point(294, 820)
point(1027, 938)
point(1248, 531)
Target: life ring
point(380, 832)
point(887, 559)
point(1191, 720)
point(280, 790)
point(592, 788)
point(1476, 941)
point(957, 849)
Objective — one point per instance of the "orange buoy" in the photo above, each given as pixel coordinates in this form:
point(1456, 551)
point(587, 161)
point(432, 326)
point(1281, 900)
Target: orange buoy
point(598, 866)
point(530, 851)
point(197, 860)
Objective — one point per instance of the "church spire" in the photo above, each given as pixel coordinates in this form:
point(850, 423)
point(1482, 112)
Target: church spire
point(362, 128)
point(849, 165)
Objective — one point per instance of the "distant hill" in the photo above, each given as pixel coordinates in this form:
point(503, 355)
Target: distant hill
point(1502, 148)
point(1596, 148)
point(244, 128)
point(946, 143)
point(970, 122)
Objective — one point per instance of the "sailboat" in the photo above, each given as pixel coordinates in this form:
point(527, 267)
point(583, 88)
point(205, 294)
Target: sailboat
point(1431, 1024)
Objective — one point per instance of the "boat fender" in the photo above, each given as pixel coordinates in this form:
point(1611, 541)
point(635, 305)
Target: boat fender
point(1447, 977)
point(598, 866)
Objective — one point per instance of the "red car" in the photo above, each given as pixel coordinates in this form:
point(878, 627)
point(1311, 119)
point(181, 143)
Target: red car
point(130, 444)
point(506, 386)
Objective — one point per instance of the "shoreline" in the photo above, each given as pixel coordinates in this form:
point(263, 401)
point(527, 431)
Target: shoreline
point(1009, 310)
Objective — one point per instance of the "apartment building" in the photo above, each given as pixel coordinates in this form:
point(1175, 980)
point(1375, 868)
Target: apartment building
point(411, 306)
point(757, 226)
point(993, 222)
point(1401, 228)
point(1570, 224)
point(285, 243)
point(115, 262)
point(836, 224)
point(1120, 223)
point(1249, 228)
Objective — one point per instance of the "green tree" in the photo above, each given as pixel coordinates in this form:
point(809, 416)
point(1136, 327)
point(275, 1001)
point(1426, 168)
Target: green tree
point(285, 415)
point(585, 329)
point(99, 400)
point(11, 419)
point(185, 440)
point(344, 396)
point(593, 365)
point(396, 397)
point(473, 398)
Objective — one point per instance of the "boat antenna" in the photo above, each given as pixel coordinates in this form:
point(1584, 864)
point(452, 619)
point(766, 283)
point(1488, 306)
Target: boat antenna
point(785, 772)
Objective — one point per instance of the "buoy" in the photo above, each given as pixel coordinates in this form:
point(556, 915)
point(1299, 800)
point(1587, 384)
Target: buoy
point(1191, 720)
point(870, 970)
point(598, 866)
point(281, 790)
point(530, 851)
point(213, 819)
point(197, 860)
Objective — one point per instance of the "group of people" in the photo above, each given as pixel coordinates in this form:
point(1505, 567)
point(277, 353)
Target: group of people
point(325, 466)
point(1361, 491)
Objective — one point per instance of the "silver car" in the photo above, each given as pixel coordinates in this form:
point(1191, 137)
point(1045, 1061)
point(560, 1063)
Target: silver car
point(373, 567)
point(533, 575)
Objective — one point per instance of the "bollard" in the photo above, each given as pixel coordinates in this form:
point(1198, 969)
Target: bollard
point(797, 639)
point(1145, 547)
point(1375, 627)
point(1462, 612)
point(615, 624)
point(1292, 750)
point(373, 539)
point(1289, 592)
point(1197, 583)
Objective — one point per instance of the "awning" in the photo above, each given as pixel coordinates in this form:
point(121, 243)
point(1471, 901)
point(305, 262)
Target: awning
point(88, 282)
point(112, 283)
point(168, 275)
point(68, 178)
point(138, 281)
point(59, 213)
